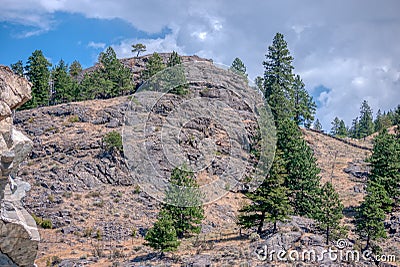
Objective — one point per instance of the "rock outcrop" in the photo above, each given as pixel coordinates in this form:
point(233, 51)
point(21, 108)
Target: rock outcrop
point(19, 236)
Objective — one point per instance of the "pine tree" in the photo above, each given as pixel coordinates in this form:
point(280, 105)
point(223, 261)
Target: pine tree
point(304, 105)
point(317, 125)
point(335, 126)
point(378, 121)
point(62, 84)
point(178, 75)
point(303, 174)
point(278, 79)
point(183, 202)
point(366, 125)
point(113, 71)
point(110, 79)
point(174, 59)
point(162, 236)
point(18, 68)
point(385, 164)
point(259, 81)
point(329, 211)
point(139, 48)
point(371, 213)
point(37, 71)
point(154, 65)
point(269, 202)
point(355, 129)
point(239, 67)
point(75, 69)
point(342, 131)
point(396, 121)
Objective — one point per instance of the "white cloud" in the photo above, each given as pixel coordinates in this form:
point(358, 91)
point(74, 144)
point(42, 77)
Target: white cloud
point(350, 48)
point(96, 45)
point(166, 44)
point(200, 35)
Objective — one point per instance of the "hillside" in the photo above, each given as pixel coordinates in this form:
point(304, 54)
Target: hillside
point(100, 216)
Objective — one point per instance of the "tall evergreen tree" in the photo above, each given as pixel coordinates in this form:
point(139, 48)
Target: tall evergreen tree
point(38, 73)
point(317, 125)
point(378, 121)
point(339, 128)
point(162, 236)
point(396, 121)
point(174, 59)
point(18, 68)
point(355, 129)
point(304, 105)
point(329, 211)
point(62, 84)
point(114, 71)
point(239, 67)
point(110, 79)
point(75, 69)
point(154, 64)
point(269, 202)
point(278, 79)
point(366, 125)
point(259, 81)
point(335, 126)
point(342, 131)
point(371, 213)
point(303, 174)
point(385, 164)
point(183, 202)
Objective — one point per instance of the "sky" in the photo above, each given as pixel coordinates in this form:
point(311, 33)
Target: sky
point(344, 50)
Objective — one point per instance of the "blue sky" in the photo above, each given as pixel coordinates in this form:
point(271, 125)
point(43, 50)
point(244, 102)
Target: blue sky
point(73, 37)
point(345, 50)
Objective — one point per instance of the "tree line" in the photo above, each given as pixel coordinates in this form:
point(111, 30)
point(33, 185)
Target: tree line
point(63, 83)
point(364, 124)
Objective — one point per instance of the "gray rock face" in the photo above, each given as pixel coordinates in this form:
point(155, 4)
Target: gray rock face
point(19, 237)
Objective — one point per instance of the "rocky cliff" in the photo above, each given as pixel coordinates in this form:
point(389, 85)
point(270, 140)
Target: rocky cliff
point(19, 237)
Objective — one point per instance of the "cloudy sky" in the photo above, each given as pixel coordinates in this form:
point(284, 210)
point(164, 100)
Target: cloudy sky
point(345, 51)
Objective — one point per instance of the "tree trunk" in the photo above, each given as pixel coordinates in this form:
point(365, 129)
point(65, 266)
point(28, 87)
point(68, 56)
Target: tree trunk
point(327, 235)
point(261, 224)
point(274, 230)
point(368, 240)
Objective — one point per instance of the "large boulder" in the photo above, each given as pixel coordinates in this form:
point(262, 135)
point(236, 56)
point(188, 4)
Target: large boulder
point(19, 236)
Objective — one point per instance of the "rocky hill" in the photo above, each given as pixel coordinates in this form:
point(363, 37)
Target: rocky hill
point(92, 213)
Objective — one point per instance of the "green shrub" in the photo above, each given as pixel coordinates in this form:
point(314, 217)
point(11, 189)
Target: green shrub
point(136, 190)
point(46, 224)
point(37, 219)
point(74, 118)
point(112, 141)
